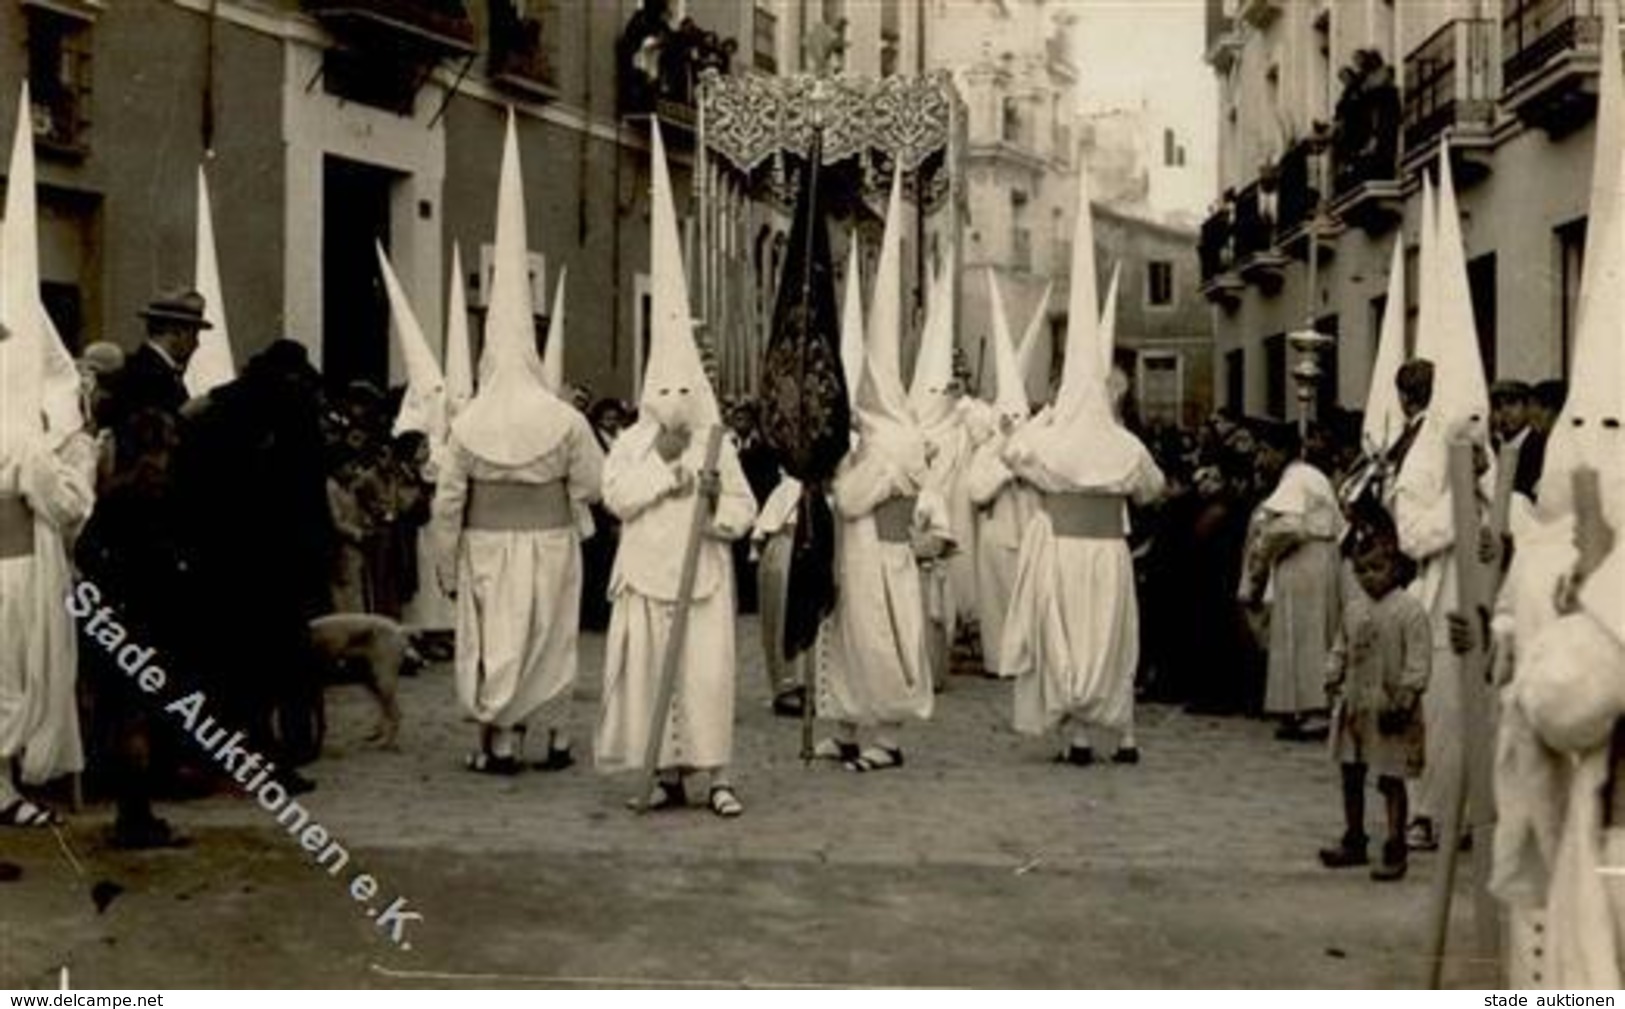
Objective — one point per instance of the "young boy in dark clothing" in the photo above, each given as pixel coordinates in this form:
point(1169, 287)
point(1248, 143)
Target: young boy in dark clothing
point(1377, 671)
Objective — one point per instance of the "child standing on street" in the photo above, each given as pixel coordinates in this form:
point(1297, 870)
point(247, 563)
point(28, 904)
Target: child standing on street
point(1376, 673)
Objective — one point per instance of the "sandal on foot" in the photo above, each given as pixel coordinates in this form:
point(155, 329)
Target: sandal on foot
point(666, 795)
point(1077, 756)
point(834, 749)
point(875, 758)
point(20, 812)
point(481, 762)
point(724, 801)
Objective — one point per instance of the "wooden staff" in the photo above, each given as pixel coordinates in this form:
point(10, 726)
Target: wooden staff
point(1471, 785)
point(678, 635)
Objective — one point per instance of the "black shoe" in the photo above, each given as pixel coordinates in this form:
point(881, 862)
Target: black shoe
point(1349, 853)
point(791, 704)
point(10, 872)
point(558, 759)
point(146, 835)
point(1077, 756)
point(1126, 755)
point(1394, 863)
point(297, 784)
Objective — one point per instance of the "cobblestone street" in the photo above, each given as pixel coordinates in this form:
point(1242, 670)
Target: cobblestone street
point(980, 863)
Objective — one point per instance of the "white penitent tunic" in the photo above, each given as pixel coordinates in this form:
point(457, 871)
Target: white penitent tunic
point(1072, 636)
point(873, 667)
point(1425, 520)
point(954, 580)
point(641, 489)
point(519, 587)
point(1004, 507)
point(39, 719)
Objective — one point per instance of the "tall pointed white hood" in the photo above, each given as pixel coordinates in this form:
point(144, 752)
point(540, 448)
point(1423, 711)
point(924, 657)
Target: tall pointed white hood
point(1460, 390)
point(459, 349)
point(1108, 323)
point(1010, 397)
point(1035, 369)
point(553, 353)
point(211, 364)
point(885, 421)
point(675, 384)
point(928, 394)
point(39, 384)
point(1083, 442)
point(513, 418)
point(1587, 431)
point(423, 407)
point(852, 341)
point(1384, 420)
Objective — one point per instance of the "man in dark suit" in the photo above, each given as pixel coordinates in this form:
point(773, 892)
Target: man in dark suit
point(154, 376)
point(1510, 406)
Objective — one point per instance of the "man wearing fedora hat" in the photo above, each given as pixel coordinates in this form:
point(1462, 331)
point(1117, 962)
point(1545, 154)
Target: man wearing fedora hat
point(154, 375)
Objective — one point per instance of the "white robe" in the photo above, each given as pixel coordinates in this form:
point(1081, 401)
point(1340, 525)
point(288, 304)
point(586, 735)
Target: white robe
point(954, 580)
point(1072, 637)
point(1425, 521)
point(519, 591)
point(644, 586)
point(39, 716)
point(1004, 507)
point(873, 666)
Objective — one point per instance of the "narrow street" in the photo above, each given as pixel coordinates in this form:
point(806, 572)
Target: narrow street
point(978, 864)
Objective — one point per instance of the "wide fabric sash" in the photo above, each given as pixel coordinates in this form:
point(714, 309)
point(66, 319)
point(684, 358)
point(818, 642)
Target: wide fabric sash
point(1086, 516)
point(508, 505)
point(16, 527)
point(894, 519)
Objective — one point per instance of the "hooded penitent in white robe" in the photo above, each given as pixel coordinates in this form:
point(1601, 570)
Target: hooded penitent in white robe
point(1422, 508)
point(1072, 634)
point(1301, 523)
point(1553, 837)
point(943, 418)
point(872, 664)
point(1004, 505)
point(655, 500)
point(47, 480)
point(519, 465)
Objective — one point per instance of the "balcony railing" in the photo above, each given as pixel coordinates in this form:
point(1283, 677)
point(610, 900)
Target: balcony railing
point(1534, 32)
point(520, 54)
point(1254, 228)
point(1213, 244)
point(436, 24)
point(1296, 189)
point(1450, 80)
point(660, 67)
point(1365, 135)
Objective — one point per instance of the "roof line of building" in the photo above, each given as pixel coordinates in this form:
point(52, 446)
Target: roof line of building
point(1169, 230)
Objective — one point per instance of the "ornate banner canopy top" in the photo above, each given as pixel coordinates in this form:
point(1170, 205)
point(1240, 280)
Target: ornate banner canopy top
point(751, 117)
point(750, 120)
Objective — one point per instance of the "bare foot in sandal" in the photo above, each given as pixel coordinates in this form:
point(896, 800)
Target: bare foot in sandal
point(19, 812)
point(725, 802)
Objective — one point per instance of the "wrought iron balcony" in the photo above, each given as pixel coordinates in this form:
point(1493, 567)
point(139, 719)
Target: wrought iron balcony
point(1365, 187)
point(520, 54)
point(435, 25)
point(1253, 241)
point(661, 67)
point(1221, 284)
point(1450, 83)
point(1550, 53)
